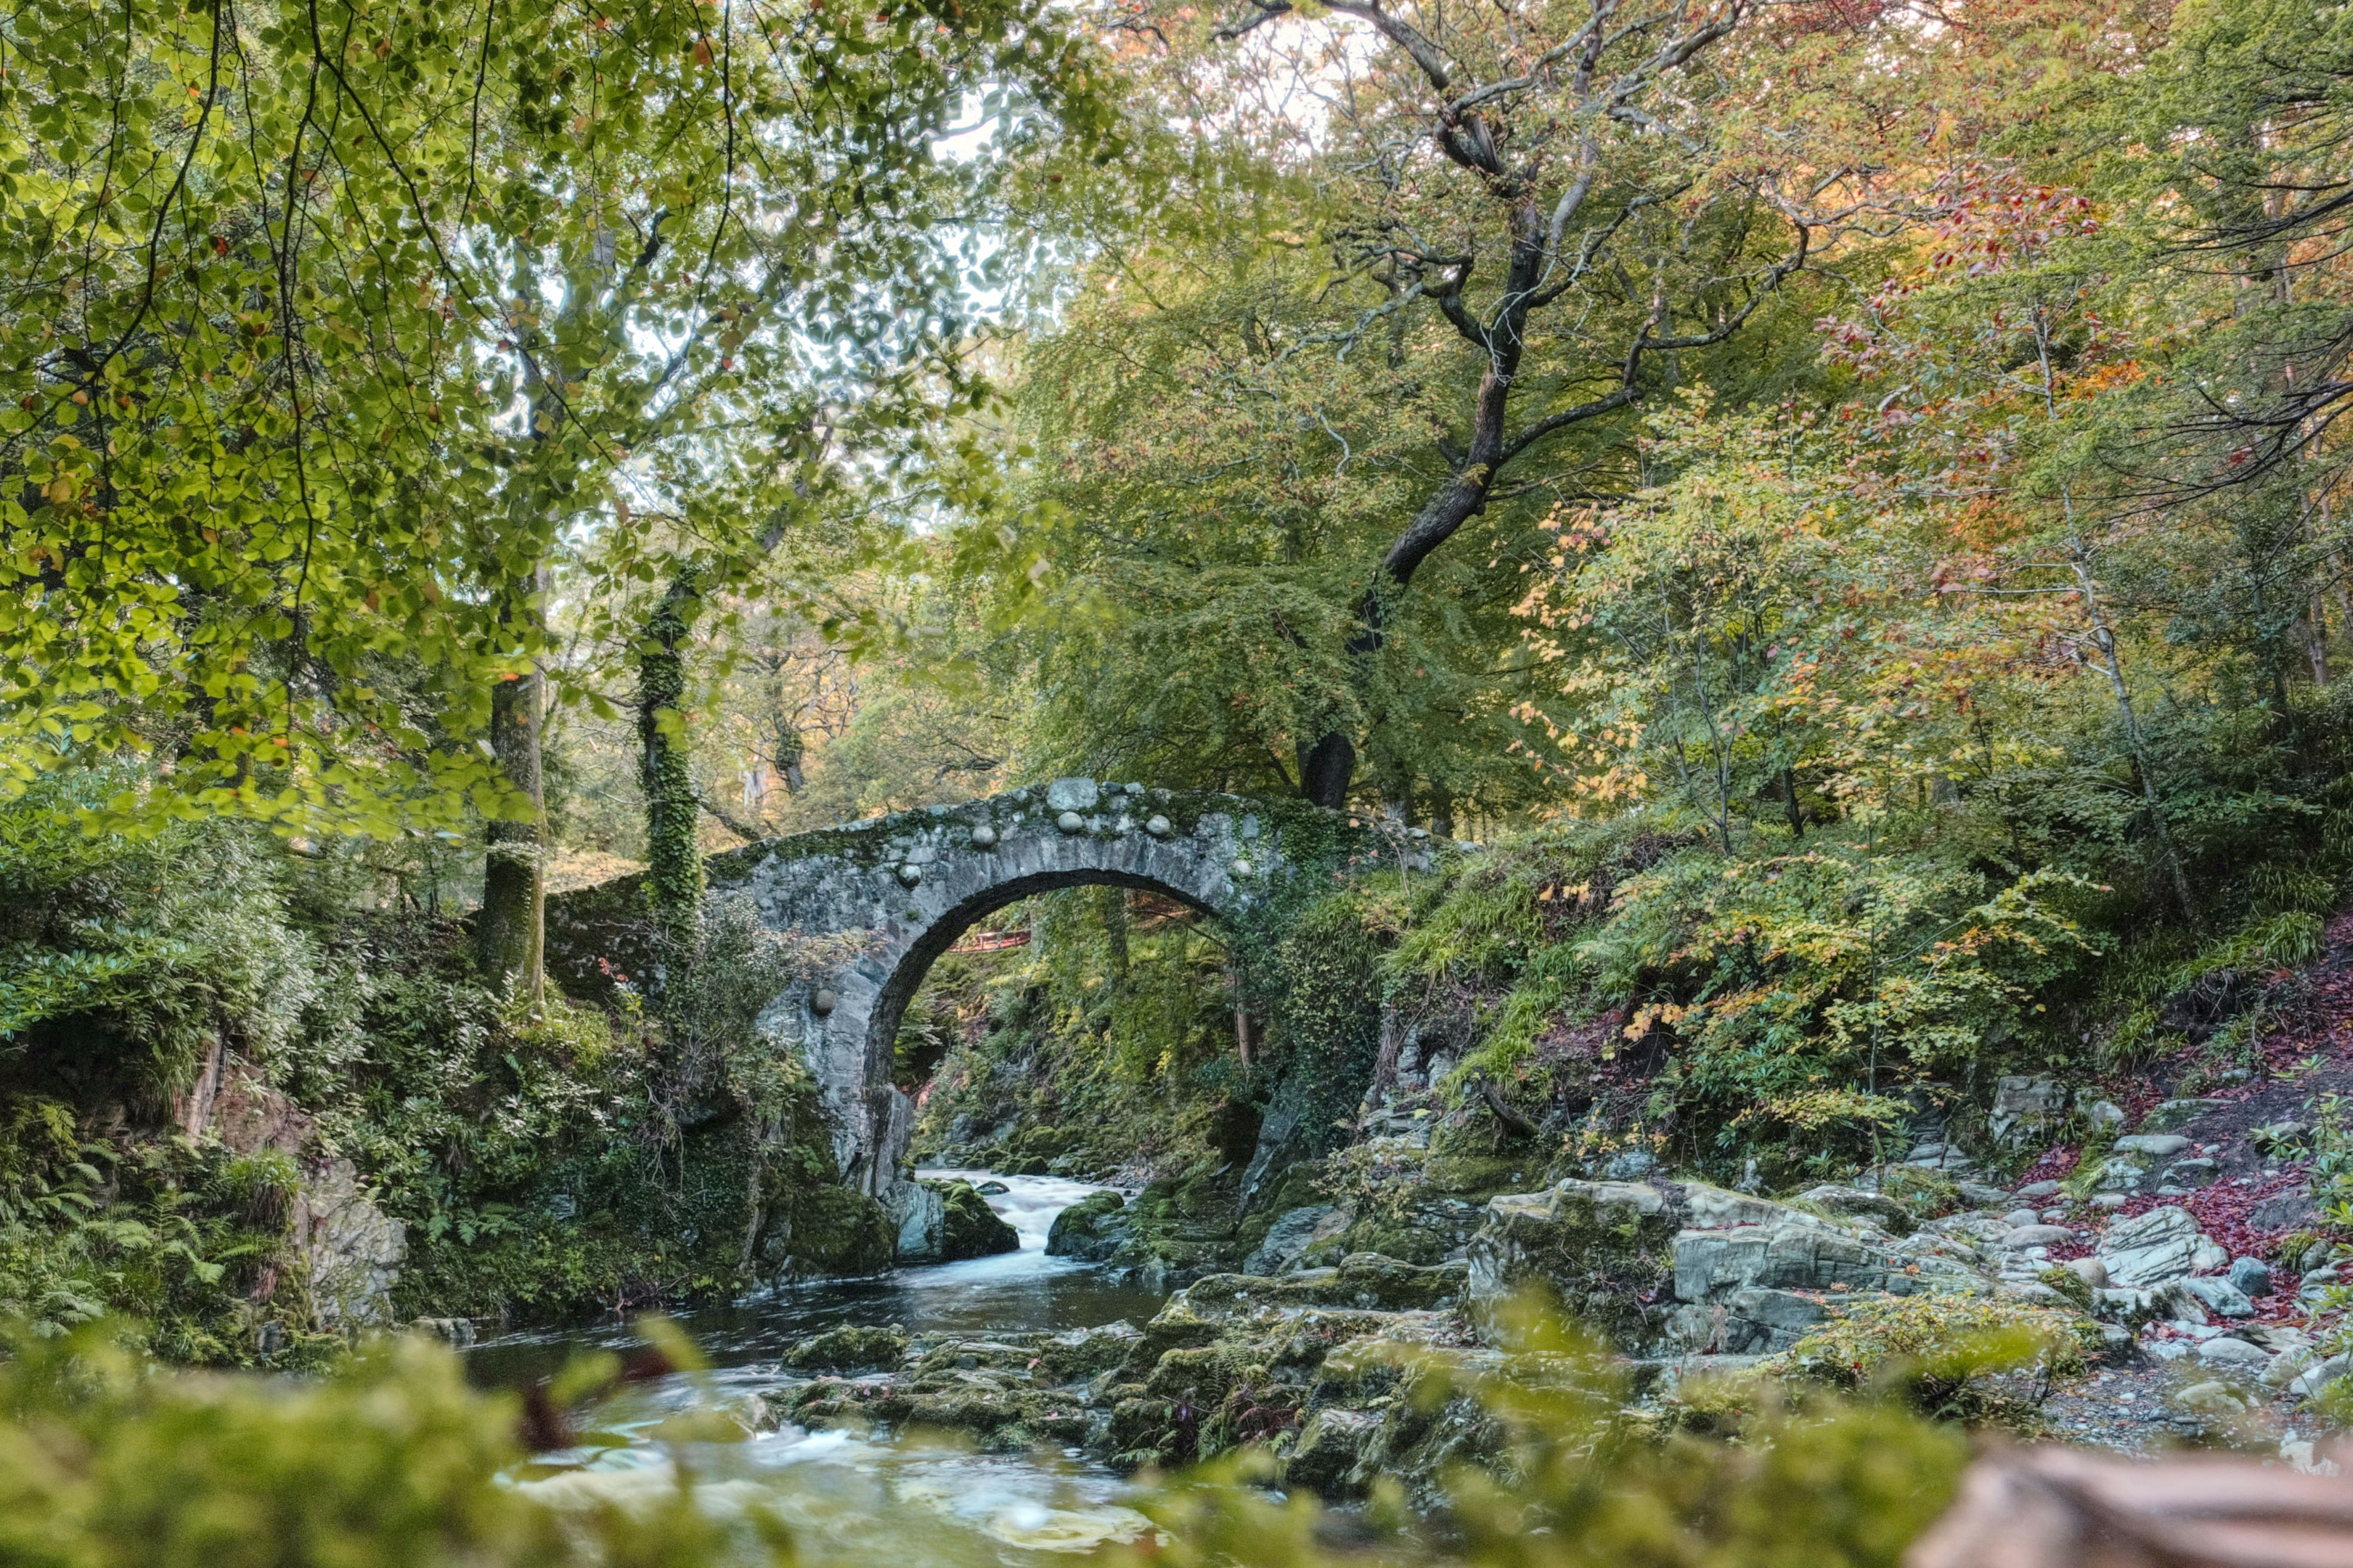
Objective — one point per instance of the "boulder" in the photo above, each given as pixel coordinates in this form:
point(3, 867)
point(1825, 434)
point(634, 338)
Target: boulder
point(1605, 1249)
point(921, 1212)
point(2289, 1362)
point(2156, 1145)
point(2040, 1190)
point(1329, 1449)
point(1287, 1239)
point(1856, 1203)
point(2100, 1114)
point(848, 1350)
point(2090, 1270)
point(1983, 1195)
point(1091, 1230)
point(2026, 1108)
point(2174, 1114)
point(2022, 1235)
point(969, 1227)
point(1747, 1275)
point(2150, 1249)
point(2232, 1354)
point(2190, 1175)
point(2319, 1375)
point(2123, 1174)
point(2212, 1398)
point(2252, 1275)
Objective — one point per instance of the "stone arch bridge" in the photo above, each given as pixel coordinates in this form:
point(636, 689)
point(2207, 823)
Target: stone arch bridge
point(906, 887)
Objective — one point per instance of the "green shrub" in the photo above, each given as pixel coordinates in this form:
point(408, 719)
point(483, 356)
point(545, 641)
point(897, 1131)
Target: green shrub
point(1940, 1350)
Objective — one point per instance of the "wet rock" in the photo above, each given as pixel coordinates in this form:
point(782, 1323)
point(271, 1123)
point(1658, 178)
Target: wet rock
point(849, 1349)
point(1363, 1280)
point(1077, 1354)
point(920, 1211)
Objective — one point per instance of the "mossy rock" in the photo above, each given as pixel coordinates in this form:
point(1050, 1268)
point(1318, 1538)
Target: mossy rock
point(1077, 1231)
point(1604, 1250)
point(971, 1228)
point(847, 1349)
point(1463, 1174)
point(1396, 1239)
point(828, 1230)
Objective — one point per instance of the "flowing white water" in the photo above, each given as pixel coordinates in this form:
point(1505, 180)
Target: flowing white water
point(1029, 1204)
point(854, 1501)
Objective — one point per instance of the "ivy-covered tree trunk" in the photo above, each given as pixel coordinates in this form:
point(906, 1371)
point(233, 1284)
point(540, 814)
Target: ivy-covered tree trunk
point(510, 931)
point(674, 879)
point(509, 934)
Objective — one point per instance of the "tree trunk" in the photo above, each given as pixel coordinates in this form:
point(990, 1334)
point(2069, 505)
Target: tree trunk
point(509, 934)
point(2105, 640)
point(674, 878)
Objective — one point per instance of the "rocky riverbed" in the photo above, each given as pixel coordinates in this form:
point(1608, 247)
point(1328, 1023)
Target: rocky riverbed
point(1365, 1368)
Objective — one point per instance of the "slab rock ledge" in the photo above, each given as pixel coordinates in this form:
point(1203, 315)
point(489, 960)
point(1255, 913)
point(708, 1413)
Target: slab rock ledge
point(1678, 1268)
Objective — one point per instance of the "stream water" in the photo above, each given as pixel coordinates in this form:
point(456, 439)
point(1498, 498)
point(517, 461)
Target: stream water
point(854, 1499)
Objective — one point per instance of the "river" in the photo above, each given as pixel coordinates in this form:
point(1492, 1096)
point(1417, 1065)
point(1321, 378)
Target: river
point(854, 1499)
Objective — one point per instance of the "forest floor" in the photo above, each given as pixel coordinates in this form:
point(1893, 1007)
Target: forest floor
point(2256, 1200)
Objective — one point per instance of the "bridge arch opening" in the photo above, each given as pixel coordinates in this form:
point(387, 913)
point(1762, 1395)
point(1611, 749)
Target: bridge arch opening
point(914, 966)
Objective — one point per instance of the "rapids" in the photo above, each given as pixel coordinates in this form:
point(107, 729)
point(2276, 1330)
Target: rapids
point(852, 1499)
